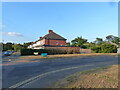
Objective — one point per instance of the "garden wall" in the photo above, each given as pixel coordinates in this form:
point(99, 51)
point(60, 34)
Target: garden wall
point(69, 50)
point(85, 51)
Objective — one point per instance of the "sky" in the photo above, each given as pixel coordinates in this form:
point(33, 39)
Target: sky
point(27, 21)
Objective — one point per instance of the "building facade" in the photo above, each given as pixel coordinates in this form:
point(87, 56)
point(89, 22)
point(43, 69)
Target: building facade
point(51, 39)
point(118, 50)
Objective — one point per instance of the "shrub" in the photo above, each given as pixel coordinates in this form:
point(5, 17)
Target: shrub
point(51, 51)
point(48, 51)
point(108, 48)
point(105, 48)
point(27, 51)
point(96, 49)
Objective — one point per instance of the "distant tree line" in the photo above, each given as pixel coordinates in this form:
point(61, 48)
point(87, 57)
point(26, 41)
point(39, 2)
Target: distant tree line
point(109, 45)
point(13, 46)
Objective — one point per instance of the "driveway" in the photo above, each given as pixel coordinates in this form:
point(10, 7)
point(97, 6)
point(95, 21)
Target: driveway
point(44, 72)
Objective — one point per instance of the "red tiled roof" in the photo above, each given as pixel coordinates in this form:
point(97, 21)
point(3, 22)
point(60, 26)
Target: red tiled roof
point(54, 36)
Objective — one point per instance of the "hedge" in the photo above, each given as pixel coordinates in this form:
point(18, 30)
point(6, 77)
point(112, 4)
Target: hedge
point(48, 51)
point(105, 48)
point(27, 51)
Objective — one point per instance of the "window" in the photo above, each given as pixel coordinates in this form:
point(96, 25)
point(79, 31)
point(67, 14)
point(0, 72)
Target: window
point(56, 42)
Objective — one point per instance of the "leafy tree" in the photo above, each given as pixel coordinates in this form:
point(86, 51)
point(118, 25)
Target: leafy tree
point(84, 46)
point(79, 41)
point(109, 38)
point(108, 48)
point(96, 49)
point(25, 45)
point(88, 45)
point(7, 46)
point(114, 39)
point(98, 41)
point(68, 43)
point(17, 47)
point(104, 48)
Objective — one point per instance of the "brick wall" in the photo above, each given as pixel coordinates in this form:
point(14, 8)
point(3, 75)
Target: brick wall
point(69, 49)
point(85, 51)
point(54, 42)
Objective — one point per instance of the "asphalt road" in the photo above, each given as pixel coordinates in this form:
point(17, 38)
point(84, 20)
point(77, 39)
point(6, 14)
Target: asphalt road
point(45, 72)
point(14, 56)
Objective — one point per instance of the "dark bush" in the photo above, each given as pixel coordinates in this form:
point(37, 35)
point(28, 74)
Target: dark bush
point(55, 51)
point(96, 49)
point(27, 51)
point(105, 48)
point(108, 48)
point(48, 51)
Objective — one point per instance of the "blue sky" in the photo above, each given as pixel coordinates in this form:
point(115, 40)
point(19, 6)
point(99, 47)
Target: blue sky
point(27, 21)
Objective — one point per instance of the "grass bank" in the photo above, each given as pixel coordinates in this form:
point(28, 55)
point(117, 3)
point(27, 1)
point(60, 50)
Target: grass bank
point(66, 55)
point(99, 78)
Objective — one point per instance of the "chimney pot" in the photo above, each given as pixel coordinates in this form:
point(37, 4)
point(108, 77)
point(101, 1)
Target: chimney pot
point(50, 31)
point(40, 37)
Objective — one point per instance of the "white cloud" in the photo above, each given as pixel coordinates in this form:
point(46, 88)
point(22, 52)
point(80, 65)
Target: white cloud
point(13, 34)
point(8, 33)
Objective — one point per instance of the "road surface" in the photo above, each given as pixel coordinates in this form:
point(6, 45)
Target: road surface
point(44, 72)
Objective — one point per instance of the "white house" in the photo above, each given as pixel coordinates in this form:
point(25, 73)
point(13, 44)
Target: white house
point(118, 50)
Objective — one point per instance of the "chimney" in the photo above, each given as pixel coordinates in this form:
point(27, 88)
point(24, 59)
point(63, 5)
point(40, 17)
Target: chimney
point(49, 31)
point(40, 37)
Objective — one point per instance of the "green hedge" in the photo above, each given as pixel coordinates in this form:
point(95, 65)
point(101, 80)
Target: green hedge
point(55, 51)
point(48, 51)
point(27, 51)
point(105, 48)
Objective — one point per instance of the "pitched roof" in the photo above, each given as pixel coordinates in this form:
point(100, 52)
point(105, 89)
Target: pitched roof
point(53, 35)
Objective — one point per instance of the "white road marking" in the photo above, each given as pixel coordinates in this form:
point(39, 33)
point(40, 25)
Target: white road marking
point(28, 81)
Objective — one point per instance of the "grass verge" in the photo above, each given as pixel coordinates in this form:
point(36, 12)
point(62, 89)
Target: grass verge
point(106, 77)
point(66, 55)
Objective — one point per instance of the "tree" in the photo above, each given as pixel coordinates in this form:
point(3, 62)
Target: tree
point(68, 43)
point(104, 48)
point(96, 49)
point(7, 46)
point(79, 41)
point(84, 46)
point(25, 45)
point(98, 41)
point(108, 48)
point(114, 39)
point(88, 45)
point(17, 47)
point(109, 38)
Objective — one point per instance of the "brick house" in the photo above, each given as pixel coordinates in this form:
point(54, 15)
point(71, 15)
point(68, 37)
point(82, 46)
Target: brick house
point(51, 39)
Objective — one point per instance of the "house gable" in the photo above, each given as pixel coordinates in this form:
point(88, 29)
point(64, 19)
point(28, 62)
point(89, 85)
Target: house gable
point(50, 39)
point(53, 36)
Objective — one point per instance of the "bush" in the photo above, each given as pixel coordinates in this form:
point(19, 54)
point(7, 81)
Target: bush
point(27, 51)
point(48, 51)
point(96, 49)
point(108, 48)
point(51, 51)
point(105, 48)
